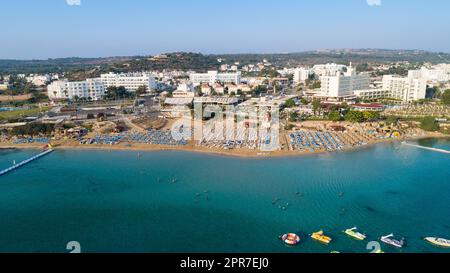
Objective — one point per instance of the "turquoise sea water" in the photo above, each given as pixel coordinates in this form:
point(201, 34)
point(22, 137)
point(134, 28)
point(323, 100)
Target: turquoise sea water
point(123, 202)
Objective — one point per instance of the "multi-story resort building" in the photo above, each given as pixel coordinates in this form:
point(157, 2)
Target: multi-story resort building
point(301, 74)
point(342, 86)
point(131, 81)
point(372, 94)
point(93, 89)
point(406, 89)
point(338, 85)
point(213, 76)
point(328, 69)
point(438, 73)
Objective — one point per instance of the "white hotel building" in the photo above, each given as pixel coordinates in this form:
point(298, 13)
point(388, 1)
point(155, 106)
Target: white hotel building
point(131, 81)
point(90, 89)
point(372, 93)
point(405, 89)
point(343, 86)
point(328, 69)
point(438, 73)
point(394, 87)
point(213, 76)
point(301, 74)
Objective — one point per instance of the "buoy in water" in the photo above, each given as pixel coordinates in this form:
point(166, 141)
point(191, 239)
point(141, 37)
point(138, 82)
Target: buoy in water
point(291, 239)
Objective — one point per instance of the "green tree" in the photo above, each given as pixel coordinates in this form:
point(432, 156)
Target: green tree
point(33, 129)
point(303, 101)
point(141, 90)
point(294, 116)
point(345, 106)
point(271, 73)
point(355, 116)
point(316, 106)
point(446, 97)
point(113, 92)
point(429, 124)
point(334, 116)
point(371, 115)
point(290, 103)
point(316, 85)
point(392, 120)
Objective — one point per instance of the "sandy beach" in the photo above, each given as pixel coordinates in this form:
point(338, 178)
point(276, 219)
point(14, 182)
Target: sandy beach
point(191, 147)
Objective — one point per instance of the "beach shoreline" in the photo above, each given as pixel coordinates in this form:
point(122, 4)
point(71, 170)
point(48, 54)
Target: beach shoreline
point(240, 153)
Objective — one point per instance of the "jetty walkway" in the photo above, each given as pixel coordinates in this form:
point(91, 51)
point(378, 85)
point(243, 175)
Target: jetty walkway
point(25, 162)
point(427, 148)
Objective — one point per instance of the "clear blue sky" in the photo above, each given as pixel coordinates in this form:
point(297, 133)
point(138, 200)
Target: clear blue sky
point(97, 28)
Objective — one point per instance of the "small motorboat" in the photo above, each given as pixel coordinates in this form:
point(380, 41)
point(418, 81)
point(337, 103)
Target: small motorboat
point(291, 239)
point(318, 236)
point(389, 240)
point(353, 232)
point(438, 241)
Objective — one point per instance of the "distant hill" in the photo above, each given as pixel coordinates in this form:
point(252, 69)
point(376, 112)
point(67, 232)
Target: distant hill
point(56, 65)
point(342, 56)
point(195, 61)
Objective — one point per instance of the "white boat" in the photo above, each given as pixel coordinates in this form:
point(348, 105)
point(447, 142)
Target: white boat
point(438, 241)
point(353, 232)
point(389, 240)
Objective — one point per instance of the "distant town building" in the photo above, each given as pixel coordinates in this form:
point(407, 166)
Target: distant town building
point(214, 76)
point(438, 73)
point(93, 89)
point(185, 90)
point(328, 69)
point(231, 88)
point(131, 81)
point(4, 86)
point(216, 100)
point(302, 74)
point(187, 87)
point(183, 94)
point(206, 89)
point(218, 88)
point(244, 88)
point(39, 80)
